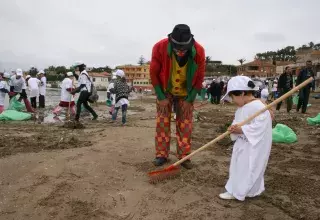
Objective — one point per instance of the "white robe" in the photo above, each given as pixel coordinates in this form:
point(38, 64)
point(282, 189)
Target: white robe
point(33, 84)
point(3, 85)
point(250, 152)
point(66, 95)
point(43, 86)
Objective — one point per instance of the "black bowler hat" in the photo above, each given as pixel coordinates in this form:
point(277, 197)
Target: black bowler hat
point(181, 37)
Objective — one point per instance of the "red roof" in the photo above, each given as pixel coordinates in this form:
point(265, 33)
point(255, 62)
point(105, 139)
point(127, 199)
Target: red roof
point(102, 75)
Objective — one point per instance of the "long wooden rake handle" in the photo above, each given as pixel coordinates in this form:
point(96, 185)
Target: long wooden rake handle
point(220, 137)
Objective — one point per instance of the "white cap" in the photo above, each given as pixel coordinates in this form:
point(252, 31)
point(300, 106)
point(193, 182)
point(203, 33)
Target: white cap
point(120, 73)
point(69, 74)
point(238, 83)
point(28, 76)
point(78, 63)
point(6, 75)
point(41, 72)
point(19, 72)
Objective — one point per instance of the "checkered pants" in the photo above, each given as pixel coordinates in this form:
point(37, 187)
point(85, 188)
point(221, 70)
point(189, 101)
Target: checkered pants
point(163, 133)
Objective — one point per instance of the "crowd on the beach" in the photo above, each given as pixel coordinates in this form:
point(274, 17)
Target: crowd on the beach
point(268, 89)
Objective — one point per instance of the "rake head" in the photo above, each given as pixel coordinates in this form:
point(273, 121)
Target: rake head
point(167, 173)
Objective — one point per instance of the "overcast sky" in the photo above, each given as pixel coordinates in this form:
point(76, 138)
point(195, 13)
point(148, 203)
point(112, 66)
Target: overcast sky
point(102, 32)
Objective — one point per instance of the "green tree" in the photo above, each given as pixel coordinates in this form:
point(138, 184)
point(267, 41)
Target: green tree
point(33, 71)
point(241, 61)
point(209, 68)
point(141, 61)
point(285, 54)
point(60, 70)
point(51, 68)
point(316, 47)
point(311, 44)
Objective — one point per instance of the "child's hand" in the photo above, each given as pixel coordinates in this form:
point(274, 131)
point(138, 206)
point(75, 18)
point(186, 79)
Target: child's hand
point(236, 129)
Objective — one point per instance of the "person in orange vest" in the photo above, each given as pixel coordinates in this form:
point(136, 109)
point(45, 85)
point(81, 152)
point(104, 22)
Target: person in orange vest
point(177, 72)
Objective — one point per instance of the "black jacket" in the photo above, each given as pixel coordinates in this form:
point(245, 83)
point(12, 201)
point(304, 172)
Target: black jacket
point(215, 89)
point(303, 76)
point(283, 81)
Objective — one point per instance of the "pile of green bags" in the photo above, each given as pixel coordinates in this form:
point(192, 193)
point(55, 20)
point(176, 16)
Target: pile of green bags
point(283, 134)
point(314, 121)
point(13, 115)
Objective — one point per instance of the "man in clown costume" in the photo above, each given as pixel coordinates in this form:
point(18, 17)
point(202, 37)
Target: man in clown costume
point(177, 72)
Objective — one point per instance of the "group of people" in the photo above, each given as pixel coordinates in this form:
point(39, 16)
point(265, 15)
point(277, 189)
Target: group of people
point(117, 93)
point(286, 83)
point(15, 84)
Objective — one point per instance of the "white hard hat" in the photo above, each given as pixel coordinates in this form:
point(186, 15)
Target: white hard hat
point(19, 72)
point(69, 74)
point(120, 73)
point(28, 76)
point(41, 72)
point(78, 63)
point(6, 75)
point(239, 83)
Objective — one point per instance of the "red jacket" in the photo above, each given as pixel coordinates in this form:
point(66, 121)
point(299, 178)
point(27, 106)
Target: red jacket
point(160, 69)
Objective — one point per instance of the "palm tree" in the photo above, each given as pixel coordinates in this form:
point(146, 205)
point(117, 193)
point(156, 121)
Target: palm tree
point(241, 61)
point(311, 44)
point(208, 59)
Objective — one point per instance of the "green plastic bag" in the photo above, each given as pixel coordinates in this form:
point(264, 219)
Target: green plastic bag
point(108, 103)
point(283, 134)
point(203, 94)
point(295, 99)
point(13, 115)
point(16, 105)
point(314, 121)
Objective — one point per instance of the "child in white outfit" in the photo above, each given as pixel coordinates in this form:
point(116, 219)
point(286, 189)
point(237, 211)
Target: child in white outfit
point(252, 142)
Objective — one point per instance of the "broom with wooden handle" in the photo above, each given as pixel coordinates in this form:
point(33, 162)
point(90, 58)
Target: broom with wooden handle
point(173, 169)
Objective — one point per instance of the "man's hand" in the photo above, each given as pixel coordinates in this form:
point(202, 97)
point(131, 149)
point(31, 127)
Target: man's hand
point(235, 129)
point(11, 94)
point(164, 102)
point(163, 108)
point(187, 109)
point(187, 105)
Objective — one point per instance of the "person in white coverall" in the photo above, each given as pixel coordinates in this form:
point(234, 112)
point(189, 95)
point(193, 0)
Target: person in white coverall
point(4, 89)
point(33, 85)
point(42, 89)
point(18, 86)
point(253, 142)
point(66, 99)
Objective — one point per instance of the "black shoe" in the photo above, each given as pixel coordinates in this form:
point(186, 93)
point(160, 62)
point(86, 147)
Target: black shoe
point(159, 161)
point(187, 164)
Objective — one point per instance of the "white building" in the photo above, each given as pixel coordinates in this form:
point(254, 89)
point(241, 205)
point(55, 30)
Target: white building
point(100, 80)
